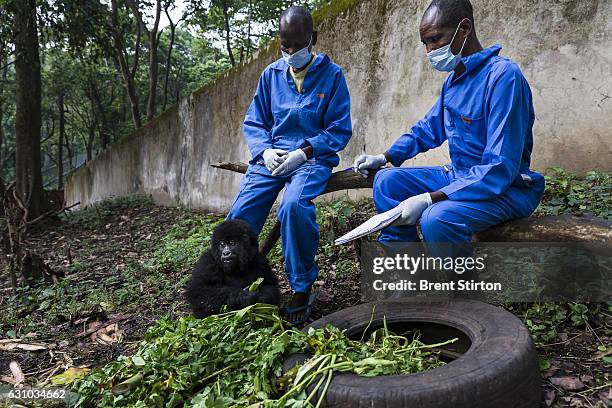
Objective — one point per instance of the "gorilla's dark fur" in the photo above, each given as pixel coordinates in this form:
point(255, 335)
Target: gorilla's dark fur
point(229, 266)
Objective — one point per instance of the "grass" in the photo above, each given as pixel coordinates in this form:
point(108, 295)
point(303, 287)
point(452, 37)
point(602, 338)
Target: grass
point(129, 256)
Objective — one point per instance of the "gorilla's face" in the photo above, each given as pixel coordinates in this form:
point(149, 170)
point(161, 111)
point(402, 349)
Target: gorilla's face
point(234, 245)
point(234, 254)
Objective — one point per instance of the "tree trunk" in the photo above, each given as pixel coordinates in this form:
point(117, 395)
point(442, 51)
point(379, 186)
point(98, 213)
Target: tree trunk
point(168, 58)
point(69, 152)
point(248, 46)
point(28, 107)
point(60, 143)
point(91, 135)
point(1, 134)
point(3, 62)
point(228, 43)
point(98, 107)
point(153, 52)
point(120, 58)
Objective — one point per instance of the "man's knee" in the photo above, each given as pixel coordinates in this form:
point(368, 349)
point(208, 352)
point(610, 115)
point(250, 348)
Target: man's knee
point(293, 207)
point(383, 180)
point(382, 186)
point(439, 223)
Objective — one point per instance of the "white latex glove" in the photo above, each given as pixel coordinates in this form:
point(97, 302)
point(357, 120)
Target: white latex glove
point(274, 158)
point(412, 209)
point(293, 160)
point(365, 162)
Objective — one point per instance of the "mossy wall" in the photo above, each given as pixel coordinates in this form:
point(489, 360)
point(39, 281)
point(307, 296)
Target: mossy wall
point(563, 47)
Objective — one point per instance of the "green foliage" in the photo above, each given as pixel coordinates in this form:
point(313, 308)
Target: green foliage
point(57, 302)
point(335, 218)
point(235, 359)
point(544, 319)
point(566, 193)
point(226, 359)
point(99, 213)
point(183, 244)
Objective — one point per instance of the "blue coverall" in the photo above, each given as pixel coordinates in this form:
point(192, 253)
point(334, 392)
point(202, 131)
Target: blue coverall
point(486, 114)
point(280, 117)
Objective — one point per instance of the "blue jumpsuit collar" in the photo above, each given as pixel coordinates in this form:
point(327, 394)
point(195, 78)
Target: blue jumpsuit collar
point(474, 60)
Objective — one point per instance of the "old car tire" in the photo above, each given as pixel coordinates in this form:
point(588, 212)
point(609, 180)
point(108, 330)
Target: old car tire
point(498, 368)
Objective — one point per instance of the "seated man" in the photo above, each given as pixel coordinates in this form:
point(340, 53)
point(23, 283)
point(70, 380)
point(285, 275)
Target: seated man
point(485, 112)
point(298, 120)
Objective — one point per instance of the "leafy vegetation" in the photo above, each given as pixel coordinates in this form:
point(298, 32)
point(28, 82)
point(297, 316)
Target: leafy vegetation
point(545, 319)
point(183, 244)
point(567, 193)
point(107, 68)
point(235, 359)
point(98, 214)
point(118, 251)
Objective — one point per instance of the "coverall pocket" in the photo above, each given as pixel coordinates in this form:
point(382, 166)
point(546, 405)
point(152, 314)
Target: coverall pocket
point(471, 126)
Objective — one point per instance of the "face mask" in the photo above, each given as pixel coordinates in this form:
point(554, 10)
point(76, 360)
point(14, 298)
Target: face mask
point(298, 59)
point(443, 58)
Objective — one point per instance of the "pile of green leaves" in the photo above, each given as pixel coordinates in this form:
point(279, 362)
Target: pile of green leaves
point(235, 359)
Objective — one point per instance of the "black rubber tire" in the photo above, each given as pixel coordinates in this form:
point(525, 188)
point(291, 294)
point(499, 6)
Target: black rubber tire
point(499, 369)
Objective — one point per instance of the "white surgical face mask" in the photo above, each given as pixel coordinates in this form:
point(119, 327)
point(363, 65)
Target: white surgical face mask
point(298, 59)
point(443, 58)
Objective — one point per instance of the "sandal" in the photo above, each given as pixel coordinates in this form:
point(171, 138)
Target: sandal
point(307, 308)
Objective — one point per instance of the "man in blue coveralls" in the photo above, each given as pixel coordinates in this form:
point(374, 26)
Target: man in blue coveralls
point(299, 119)
point(485, 112)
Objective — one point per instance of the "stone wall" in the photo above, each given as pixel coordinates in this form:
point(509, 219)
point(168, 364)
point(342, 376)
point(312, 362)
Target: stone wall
point(564, 48)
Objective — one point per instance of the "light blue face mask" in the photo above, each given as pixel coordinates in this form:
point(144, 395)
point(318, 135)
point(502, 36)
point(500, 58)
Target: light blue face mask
point(443, 58)
point(298, 59)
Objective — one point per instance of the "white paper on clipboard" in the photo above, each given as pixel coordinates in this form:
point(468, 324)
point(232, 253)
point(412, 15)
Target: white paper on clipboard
point(376, 223)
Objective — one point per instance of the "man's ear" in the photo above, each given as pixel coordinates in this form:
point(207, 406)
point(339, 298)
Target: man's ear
point(466, 27)
point(314, 37)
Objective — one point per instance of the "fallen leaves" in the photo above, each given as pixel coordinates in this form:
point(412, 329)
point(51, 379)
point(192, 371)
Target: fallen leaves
point(69, 376)
point(16, 344)
point(108, 334)
point(108, 331)
point(17, 373)
point(568, 383)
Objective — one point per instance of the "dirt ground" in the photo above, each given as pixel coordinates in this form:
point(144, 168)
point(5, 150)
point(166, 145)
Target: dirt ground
point(111, 295)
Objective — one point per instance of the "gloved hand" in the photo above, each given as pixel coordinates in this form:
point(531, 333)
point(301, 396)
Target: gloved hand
point(274, 158)
point(363, 162)
point(412, 209)
point(294, 160)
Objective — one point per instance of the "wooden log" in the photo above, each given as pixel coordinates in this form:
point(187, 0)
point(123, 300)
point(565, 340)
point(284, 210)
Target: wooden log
point(339, 180)
point(591, 232)
point(266, 246)
point(596, 232)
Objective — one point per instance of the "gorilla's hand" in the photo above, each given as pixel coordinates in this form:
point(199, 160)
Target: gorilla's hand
point(246, 298)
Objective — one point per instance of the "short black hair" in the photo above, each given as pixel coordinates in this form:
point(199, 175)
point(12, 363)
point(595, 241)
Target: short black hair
point(452, 12)
point(297, 15)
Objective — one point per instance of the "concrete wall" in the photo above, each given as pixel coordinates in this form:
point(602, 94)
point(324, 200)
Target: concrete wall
point(564, 47)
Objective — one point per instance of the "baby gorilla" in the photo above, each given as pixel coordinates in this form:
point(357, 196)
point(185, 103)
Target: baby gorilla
point(226, 270)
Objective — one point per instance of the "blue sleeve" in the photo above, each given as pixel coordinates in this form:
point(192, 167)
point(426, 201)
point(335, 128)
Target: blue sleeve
point(259, 120)
point(337, 127)
point(426, 134)
point(507, 118)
